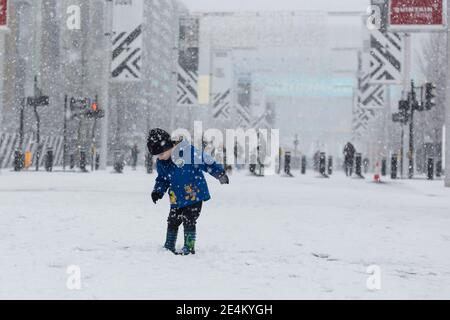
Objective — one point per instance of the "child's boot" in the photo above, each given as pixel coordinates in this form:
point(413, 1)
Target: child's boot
point(189, 243)
point(171, 240)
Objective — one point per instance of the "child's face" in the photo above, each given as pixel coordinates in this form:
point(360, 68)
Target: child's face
point(165, 155)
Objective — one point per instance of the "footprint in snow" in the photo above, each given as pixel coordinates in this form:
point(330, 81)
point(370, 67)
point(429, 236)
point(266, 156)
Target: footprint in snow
point(324, 256)
point(321, 255)
point(83, 249)
point(405, 274)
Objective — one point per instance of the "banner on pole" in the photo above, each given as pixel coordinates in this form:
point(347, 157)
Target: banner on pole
point(387, 52)
point(222, 84)
point(3, 13)
point(128, 16)
point(386, 57)
point(417, 15)
point(368, 98)
point(244, 101)
point(188, 62)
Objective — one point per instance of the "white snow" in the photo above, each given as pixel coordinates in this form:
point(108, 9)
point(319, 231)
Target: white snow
point(258, 238)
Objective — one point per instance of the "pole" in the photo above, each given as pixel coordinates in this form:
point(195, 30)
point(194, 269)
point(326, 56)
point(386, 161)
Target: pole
point(38, 126)
point(412, 104)
point(406, 87)
point(104, 96)
point(93, 144)
point(21, 124)
point(411, 145)
point(38, 137)
point(65, 133)
point(402, 172)
point(2, 59)
point(447, 116)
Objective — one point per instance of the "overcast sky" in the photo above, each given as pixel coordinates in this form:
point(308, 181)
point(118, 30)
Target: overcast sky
point(263, 5)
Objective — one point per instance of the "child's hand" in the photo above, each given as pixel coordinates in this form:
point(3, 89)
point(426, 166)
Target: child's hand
point(223, 178)
point(156, 196)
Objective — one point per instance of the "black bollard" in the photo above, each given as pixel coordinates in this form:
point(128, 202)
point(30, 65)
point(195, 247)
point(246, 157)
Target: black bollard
point(384, 167)
point(330, 165)
point(18, 160)
point(287, 163)
point(358, 164)
point(438, 168)
point(118, 162)
point(49, 160)
point(304, 165)
point(83, 161)
point(322, 163)
point(97, 161)
point(72, 161)
point(149, 163)
point(394, 166)
point(430, 169)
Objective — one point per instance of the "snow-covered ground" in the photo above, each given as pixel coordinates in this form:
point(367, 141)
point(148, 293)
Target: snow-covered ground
point(259, 238)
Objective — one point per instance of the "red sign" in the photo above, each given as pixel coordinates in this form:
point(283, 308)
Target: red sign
point(3, 13)
point(417, 15)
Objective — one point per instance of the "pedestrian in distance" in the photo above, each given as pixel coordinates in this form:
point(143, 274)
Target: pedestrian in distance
point(349, 158)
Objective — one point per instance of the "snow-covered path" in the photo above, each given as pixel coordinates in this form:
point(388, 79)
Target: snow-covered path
point(259, 238)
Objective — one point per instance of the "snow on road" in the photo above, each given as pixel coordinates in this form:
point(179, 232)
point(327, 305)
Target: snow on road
point(259, 238)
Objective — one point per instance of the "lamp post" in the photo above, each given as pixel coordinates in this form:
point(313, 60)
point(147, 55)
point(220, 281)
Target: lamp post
point(447, 114)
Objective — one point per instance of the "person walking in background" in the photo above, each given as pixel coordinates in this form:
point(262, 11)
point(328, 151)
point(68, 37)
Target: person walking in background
point(134, 156)
point(349, 158)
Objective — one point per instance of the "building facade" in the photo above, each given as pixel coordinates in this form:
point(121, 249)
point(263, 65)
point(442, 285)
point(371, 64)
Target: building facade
point(41, 49)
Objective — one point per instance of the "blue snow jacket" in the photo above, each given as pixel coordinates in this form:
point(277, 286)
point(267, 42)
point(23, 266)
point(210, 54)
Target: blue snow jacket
point(182, 175)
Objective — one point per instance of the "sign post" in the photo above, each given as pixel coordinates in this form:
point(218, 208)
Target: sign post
point(3, 14)
point(425, 16)
point(417, 15)
point(447, 113)
point(3, 30)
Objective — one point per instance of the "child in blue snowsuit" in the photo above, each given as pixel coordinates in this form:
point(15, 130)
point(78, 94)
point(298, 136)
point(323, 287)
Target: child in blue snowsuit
point(180, 169)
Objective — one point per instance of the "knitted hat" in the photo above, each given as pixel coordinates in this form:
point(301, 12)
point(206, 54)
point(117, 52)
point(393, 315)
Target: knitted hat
point(159, 141)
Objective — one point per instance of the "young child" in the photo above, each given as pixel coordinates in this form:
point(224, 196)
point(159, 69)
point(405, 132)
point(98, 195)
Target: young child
point(180, 169)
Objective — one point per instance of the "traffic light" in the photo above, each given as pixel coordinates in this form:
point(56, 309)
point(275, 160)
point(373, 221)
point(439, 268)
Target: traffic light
point(403, 107)
point(430, 96)
point(403, 115)
point(95, 112)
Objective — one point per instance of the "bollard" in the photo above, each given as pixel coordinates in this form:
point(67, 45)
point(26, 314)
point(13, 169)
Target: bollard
point(83, 161)
point(384, 167)
point(118, 162)
point(322, 163)
point(18, 160)
point(438, 168)
point(430, 169)
point(366, 164)
point(49, 160)
point(394, 166)
point(72, 161)
point(330, 165)
point(97, 162)
point(287, 163)
point(28, 160)
point(304, 165)
point(260, 168)
point(358, 164)
point(149, 163)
